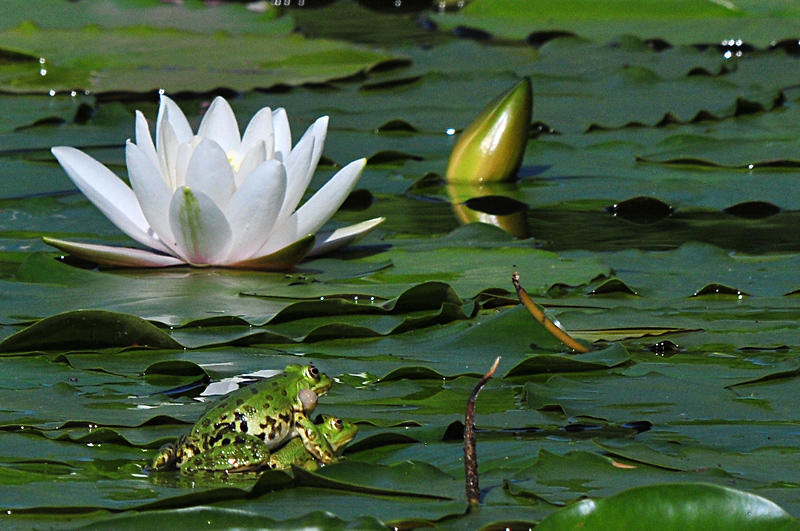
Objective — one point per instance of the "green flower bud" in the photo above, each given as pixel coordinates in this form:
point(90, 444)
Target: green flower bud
point(492, 147)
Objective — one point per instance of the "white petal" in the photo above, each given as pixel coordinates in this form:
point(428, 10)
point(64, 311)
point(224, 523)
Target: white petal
point(167, 144)
point(252, 158)
point(219, 124)
point(185, 152)
point(259, 130)
point(152, 192)
point(318, 209)
point(107, 191)
point(115, 256)
point(328, 241)
point(301, 171)
point(254, 207)
point(324, 204)
point(320, 131)
point(145, 141)
point(210, 172)
point(283, 134)
point(298, 170)
point(168, 110)
point(280, 260)
point(200, 227)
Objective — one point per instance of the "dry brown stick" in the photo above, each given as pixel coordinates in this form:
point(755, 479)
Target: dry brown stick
point(470, 452)
point(539, 315)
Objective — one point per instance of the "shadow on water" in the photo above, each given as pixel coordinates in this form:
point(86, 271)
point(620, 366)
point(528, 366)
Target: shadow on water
point(598, 230)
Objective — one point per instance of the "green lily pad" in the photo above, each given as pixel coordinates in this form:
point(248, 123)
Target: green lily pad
point(193, 65)
point(678, 506)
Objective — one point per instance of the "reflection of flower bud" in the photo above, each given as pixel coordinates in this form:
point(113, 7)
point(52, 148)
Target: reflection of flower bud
point(490, 204)
point(491, 148)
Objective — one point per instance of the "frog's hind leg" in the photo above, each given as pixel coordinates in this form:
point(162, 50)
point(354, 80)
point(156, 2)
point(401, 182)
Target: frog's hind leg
point(167, 458)
point(243, 453)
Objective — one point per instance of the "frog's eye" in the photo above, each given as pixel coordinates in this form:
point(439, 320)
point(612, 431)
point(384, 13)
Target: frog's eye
point(337, 424)
point(313, 372)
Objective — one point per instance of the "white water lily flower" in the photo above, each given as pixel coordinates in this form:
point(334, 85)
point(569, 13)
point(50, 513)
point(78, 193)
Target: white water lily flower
point(215, 197)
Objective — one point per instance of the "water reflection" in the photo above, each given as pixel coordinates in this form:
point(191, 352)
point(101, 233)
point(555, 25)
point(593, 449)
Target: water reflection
point(490, 203)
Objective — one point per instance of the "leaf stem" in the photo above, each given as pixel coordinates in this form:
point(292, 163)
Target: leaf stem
point(539, 315)
point(470, 451)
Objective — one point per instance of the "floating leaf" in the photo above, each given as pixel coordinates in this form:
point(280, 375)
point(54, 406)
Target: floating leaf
point(101, 61)
point(553, 363)
point(677, 506)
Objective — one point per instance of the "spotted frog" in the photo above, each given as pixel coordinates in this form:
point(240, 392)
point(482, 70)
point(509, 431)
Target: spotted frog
point(337, 432)
point(256, 420)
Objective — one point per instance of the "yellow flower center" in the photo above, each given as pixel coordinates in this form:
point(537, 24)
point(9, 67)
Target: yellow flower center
point(235, 159)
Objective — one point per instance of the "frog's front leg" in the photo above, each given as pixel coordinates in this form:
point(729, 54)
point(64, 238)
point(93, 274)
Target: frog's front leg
point(313, 440)
point(243, 453)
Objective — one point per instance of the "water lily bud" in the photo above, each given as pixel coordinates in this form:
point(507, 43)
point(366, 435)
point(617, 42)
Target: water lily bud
point(492, 147)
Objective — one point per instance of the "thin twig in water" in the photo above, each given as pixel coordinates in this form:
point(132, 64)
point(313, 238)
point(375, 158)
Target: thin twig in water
point(470, 452)
point(539, 315)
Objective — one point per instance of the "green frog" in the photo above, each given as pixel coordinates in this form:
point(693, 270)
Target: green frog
point(337, 432)
point(257, 419)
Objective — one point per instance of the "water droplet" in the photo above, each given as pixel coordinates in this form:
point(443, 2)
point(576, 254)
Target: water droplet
point(43, 72)
point(41, 60)
point(450, 131)
point(52, 92)
point(73, 93)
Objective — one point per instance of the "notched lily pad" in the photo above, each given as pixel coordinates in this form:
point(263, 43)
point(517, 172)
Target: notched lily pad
point(102, 61)
point(606, 358)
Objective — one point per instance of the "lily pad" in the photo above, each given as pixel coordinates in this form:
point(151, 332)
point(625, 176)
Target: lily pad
point(676, 506)
point(84, 59)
